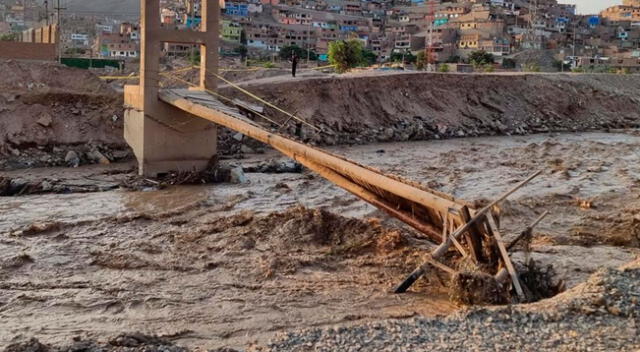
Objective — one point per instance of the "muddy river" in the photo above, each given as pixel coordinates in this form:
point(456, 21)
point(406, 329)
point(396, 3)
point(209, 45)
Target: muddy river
point(231, 264)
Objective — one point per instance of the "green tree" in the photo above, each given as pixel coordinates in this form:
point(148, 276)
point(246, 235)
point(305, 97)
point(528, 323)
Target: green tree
point(480, 58)
point(453, 59)
point(243, 37)
point(287, 51)
point(561, 66)
point(508, 63)
point(369, 57)
point(444, 68)
point(194, 58)
point(345, 54)
point(408, 57)
point(9, 37)
point(242, 51)
point(421, 60)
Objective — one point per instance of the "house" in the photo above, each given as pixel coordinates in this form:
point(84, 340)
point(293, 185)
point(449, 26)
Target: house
point(237, 9)
point(630, 11)
point(124, 44)
point(231, 31)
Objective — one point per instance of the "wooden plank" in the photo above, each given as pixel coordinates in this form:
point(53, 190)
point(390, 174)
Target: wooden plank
point(527, 231)
point(442, 249)
point(507, 260)
point(473, 236)
point(449, 270)
point(445, 227)
point(458, 246)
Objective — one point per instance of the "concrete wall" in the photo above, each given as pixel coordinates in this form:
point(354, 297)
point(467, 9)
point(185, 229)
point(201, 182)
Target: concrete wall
point(45, 34)
point(27, 51)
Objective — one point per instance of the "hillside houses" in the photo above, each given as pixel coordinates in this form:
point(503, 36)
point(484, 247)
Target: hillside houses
point(448, 29)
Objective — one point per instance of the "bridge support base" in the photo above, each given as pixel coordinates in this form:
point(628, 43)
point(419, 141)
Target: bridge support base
point(177, 142)
point(163, 137)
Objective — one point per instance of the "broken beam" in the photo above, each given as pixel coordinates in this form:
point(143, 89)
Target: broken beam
point(442, 249)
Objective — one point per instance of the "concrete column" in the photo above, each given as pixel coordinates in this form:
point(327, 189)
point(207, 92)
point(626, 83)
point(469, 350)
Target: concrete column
point(149, 53)
point(209, 51)
point(164, 138)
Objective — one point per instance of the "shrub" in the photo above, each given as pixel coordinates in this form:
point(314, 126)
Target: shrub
point(345, 54)
point(531, 67)
point(480, 58)
point(443, 68)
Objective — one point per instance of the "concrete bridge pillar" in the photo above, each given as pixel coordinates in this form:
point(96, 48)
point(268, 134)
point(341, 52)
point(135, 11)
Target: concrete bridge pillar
point(164, 138)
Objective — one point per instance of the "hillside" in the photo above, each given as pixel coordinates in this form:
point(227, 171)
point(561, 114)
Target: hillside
point(111, 7)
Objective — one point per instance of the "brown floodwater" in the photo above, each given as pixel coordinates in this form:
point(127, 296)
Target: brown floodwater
point(229, 265)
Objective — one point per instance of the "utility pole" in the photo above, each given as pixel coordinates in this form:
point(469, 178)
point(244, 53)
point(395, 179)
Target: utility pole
point(192, 26)
point(574, 38)
point(46, 11)
point(58, 8)
point(432, 20)
point(309, 42)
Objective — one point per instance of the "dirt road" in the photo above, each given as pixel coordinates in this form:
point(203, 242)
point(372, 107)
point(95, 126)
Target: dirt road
point(231, 265)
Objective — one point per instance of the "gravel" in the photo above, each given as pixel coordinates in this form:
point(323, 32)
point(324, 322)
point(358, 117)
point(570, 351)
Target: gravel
point(602, 314)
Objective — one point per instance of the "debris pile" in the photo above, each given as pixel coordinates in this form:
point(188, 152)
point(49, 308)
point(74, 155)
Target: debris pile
point(50, 112)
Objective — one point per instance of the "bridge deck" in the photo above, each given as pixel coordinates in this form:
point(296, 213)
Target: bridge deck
point(424, 209)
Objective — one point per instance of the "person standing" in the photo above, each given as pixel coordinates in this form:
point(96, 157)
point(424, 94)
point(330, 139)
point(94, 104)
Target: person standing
point(294, 64)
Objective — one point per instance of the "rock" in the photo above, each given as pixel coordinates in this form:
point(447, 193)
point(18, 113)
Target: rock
point(98, 158)
point(32, 345)
point(120, 154)
point(246, 150)
point(237, 176)
point(290, 166)
point(10, 98)
point(388, 134)
point(45, 120)
point(16, 185)
point(72, 159)
point(277, 167)
point(46, 186)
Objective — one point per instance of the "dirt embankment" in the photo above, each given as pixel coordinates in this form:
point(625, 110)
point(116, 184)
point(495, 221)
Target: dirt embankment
point(47, 110)
point(416, 106)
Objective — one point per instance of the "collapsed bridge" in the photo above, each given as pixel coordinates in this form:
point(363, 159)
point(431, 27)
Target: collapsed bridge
point(175, 130)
